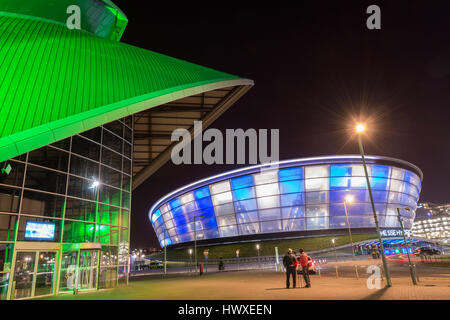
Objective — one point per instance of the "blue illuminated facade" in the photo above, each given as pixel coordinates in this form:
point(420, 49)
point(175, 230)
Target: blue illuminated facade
point(297, 196)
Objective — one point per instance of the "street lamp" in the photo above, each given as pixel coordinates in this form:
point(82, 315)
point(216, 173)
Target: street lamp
point(360, 129)
point(190, 259)
point(349, 200)
point(259, 262)
point(411, 271)
point(195, 240)
point(335, 255)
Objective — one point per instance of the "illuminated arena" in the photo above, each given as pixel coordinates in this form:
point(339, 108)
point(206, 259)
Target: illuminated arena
point(302, 197)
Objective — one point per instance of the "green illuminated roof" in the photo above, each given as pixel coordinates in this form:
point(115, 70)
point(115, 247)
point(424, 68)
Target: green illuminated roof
point(57, 82)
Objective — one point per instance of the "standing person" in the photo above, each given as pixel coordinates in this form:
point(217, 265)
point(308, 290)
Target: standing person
point(304, 265)
point(289, 262)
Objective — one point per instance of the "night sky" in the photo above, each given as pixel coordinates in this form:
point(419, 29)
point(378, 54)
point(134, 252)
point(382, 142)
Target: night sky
point(317, 69)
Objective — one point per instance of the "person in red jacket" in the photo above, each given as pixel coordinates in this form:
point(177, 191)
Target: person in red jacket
point(304, 266)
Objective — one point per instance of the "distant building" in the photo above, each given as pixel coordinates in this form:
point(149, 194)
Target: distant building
point(432, 221)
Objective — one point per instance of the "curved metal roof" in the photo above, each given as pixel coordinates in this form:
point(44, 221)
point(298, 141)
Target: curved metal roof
point(285, 164)
point(57, 82)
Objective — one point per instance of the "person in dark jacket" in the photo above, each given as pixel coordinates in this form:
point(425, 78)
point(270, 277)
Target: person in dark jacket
point(289, 262)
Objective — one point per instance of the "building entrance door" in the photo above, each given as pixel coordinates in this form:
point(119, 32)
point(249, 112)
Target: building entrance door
point(87, 279)
point(34, 274)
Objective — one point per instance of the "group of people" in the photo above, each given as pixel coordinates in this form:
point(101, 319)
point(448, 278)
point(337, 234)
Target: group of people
point(294, 264)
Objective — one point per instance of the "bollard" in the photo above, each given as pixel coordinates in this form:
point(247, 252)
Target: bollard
point(319, 272)
point(356, 269)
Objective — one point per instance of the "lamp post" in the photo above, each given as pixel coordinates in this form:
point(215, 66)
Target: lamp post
point(165, 251)
point(259, 262)
point(360, 129)
point(195, 240)
point(349, 199)
point(190, 260)
point(411, 271)
point(335, 255)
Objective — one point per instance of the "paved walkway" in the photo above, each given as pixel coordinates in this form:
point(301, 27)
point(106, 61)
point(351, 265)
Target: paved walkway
point(434, 284)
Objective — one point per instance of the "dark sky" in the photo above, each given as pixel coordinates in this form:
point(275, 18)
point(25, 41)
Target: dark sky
point(316, 69)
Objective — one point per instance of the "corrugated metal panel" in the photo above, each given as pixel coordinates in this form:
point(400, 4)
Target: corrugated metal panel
point(56, 82)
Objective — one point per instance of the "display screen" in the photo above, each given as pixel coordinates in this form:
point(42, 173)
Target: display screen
point(39, 230)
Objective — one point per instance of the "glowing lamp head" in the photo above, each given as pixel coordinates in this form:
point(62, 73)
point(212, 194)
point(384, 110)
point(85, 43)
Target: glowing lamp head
point(95, 184)
point(360, 128)
point(257, 246)
point(349, 198)
point(190, 251)
point(332, 240)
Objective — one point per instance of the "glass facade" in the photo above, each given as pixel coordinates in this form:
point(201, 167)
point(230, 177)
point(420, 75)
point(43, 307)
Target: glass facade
point(80, 188)
point(291, 198)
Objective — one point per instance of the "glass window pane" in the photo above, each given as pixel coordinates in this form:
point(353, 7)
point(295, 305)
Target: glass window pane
point(111, 195)
point(226, 220)
point(245, 205)
point(82, 188)
point(127, 165)
point(62, 144)
point(126, 199)
point(75, 232)
point(317, 184)
point(316, 172)
point(242, 182)
point(269, 214)
point(42, 204)
point(244, 193)
point(293, 224)
point(80, 210)
point(293, 199)
point(340, 182)
point(224, 209)
point(340, 170)
point(220, 187)
point(266, 177)
point(267, 190)
point(317, 211)
point(109, 215)
point(316, 197)
point(228, 231)
point(115, 127)
point(111, 159)
point(112, 141)
point(222, 198)
point(292, 186)
point(293, 212)
point(110, 177)
point(317, 223)
point(50, 158)
point(85, 148)
point(15, 176)
point(269, 202)
point(9, 199)
point(93, 134)
point(249, 228)
point(380, 171)
point(83, 167)
point(126, 182)
point(201, 193)
point(271, 226)
point(291, 174)
point(7, 224)
point(398, 174)
point(247, 217)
